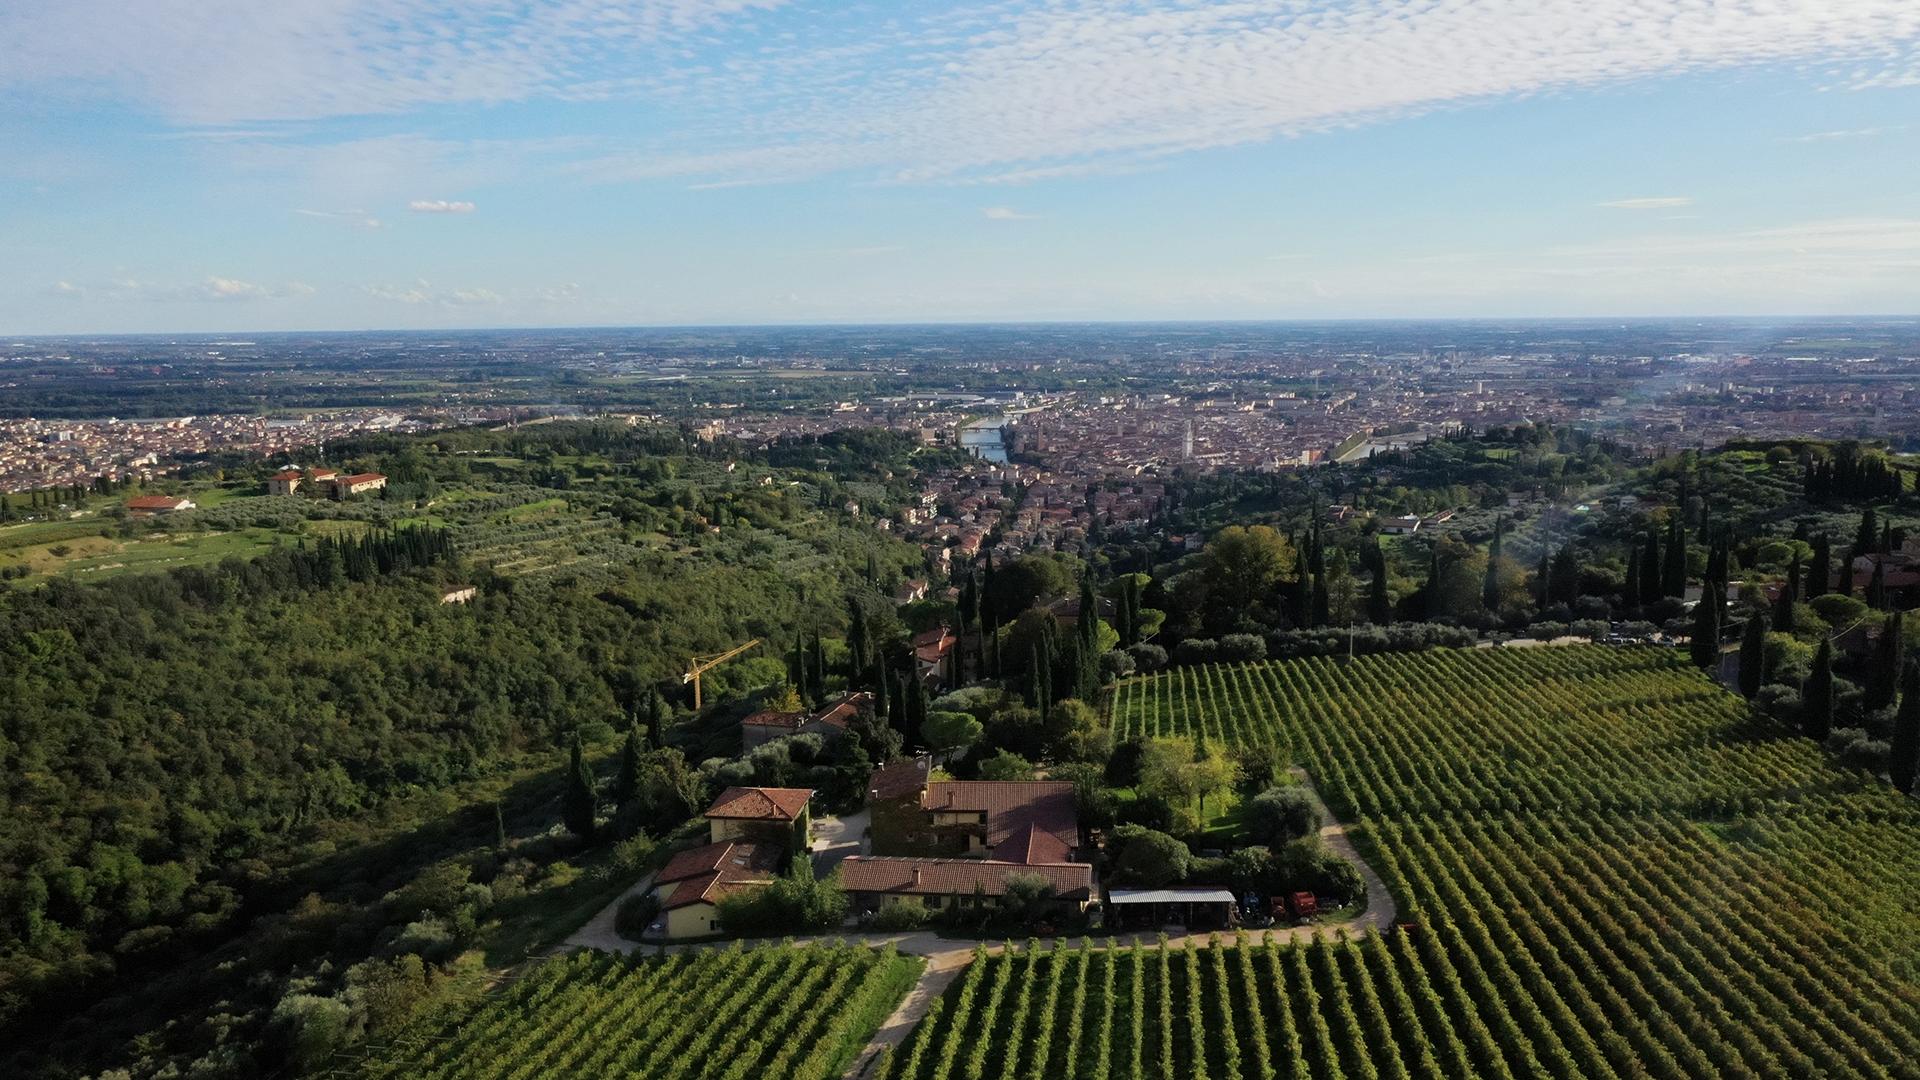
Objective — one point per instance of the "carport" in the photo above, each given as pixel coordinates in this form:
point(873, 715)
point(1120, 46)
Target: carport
point(1193, 907)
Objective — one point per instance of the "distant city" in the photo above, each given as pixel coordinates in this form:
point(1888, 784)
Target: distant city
point(1076, 402)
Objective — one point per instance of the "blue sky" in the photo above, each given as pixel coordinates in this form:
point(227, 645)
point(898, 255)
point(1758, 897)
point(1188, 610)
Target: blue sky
point(186, 165)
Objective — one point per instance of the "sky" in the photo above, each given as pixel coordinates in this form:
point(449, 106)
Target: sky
point(177, 166)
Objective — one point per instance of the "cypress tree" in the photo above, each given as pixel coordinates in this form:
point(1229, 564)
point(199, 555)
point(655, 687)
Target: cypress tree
point(859, 650)
point(1322, 612)
point(1490, 586)
point(1753, 655)
point(1884, 682)
point(1379, 604)
point(577, 805)
point(1816, 710)
point(1789, 595)
point(1868, 538)
point(1299, 593)
point(1673, 578)
point(1705, 643)
point(1650, 590)
point(1904, 760)
point(626, 783)
point(1820, 574)
point(1845, 586)
point(656, 720)
point(1877, 586)
point(1630, 593)
point(499, 827)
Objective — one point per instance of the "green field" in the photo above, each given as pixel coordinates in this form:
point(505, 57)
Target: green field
point(796, 1013)
point(1613, 870)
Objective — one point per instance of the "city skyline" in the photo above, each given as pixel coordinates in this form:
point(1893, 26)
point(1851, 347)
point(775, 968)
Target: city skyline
point(232, 167)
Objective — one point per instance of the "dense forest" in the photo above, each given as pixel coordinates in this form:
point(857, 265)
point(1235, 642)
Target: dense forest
point(181, 752)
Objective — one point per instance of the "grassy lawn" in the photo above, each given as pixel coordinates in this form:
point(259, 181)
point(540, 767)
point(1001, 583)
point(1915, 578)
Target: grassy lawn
point(336, 529)
point(91, 557)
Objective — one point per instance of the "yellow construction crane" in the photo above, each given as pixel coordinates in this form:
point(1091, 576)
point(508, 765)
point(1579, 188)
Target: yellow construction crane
point(699, 664)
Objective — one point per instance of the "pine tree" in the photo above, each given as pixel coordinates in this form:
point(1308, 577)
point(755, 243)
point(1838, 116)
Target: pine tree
point(626, 783)
point(1753, 655)
point(1884, 681)
point(1904, 759)
point(1816, 710)
point(577, 807)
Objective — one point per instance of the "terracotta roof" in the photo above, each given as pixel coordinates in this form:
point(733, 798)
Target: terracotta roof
point(290, 474)
point(154, 502)
point(957, 877)
point(900, 778)
point(841, 712)
point(761, 803)
point(322, 474)
point(773, 718)
point(1014, 809)
point(362, 478)
point(708, 872)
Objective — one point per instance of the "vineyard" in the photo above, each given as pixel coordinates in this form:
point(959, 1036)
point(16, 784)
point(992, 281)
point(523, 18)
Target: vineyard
point(734, 1014)
point(1611, 871)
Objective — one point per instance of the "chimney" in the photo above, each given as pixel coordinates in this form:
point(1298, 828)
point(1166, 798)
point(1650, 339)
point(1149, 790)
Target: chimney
point(916, 876)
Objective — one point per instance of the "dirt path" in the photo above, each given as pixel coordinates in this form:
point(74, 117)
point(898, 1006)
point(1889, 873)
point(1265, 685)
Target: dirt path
point(1381, 911)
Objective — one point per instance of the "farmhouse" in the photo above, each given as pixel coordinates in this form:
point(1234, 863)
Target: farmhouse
point(933, 655)
point(148, 505)
point(284, 483)
point(1400, 526)
point(776, 815)
point(345, 486)
point(692, 884)
point(829, 722)
point(947, 841)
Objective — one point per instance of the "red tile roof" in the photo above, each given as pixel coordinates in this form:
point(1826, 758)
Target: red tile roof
point(957, 877)
point(361, 478)
point(708, 872)
point(763, 803)
point(1015, 809)
point(841, 712)
point(290, 474)
point(899, 779)
point(154, 502)
point(775, 719)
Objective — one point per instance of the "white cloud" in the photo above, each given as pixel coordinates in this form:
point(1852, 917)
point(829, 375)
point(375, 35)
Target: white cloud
point(1005, 213)
point(214, 288)
point(440, 206)
point(1850, 133)
point(424, 294)
point(358, 219)
point(1016, 91)
point(1660, 202)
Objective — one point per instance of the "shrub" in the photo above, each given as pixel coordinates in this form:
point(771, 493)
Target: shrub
point(1280, 815)
point(900, 913)
point(635, 914)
